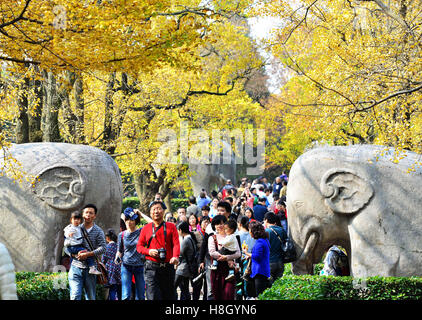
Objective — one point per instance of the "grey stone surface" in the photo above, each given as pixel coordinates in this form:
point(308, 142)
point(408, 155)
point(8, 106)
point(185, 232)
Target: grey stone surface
point(358, 198)
point(32, 216)
point(7, 276)
point(208, 176)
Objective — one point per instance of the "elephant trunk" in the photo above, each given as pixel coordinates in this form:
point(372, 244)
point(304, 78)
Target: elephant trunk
point(304, 264)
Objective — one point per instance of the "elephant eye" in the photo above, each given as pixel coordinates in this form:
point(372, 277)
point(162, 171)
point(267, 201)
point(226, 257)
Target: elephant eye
point(299, 204)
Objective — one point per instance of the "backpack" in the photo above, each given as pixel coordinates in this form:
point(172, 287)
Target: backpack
point(342, 263)
point(193, 265)
point(287, 247)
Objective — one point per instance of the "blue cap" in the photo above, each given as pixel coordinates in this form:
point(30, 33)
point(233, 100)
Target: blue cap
point(129, 213)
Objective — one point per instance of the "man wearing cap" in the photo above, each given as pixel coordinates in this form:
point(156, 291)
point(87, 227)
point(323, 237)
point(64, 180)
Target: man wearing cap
point(159, 242)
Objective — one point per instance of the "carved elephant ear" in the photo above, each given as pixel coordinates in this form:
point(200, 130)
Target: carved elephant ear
point(61, 187)
point(345, 191)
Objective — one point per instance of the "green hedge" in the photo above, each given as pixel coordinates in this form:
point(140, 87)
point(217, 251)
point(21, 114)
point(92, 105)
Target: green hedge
point(288, 269)
point(45, 286)
point(134, 203)
point(179, 203)
point(308, 287)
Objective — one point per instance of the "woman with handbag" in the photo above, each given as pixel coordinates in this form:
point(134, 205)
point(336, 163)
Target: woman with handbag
point(201, 282)
point(188, 267)
point(132, 262)
point(221, 288)
point(247, 242)
point(260, 260)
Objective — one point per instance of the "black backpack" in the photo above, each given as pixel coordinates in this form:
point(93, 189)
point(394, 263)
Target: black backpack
point(193, 264)
point(288, 248)
point(342, 263)
point(289, 251)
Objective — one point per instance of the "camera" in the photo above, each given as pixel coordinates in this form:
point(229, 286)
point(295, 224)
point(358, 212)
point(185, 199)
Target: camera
point(162, 254)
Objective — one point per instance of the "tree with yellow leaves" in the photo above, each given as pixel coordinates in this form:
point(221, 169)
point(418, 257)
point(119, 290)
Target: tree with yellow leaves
point(114, 73)
point(355, 72)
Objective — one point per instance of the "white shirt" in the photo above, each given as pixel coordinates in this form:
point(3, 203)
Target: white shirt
point(229, 242)
point(209, 229)
point(76, 239)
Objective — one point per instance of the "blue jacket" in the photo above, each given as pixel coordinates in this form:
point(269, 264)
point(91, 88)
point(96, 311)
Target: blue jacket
point(276, 253)
point(277, 188)
point(202, 202)
point(261, 258)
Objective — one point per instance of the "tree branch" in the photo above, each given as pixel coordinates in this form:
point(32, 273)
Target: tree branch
point(398, 93)
point(18, 17)
point(185, 99)
point(384, 8)
point(300, 22)
point(18, 60)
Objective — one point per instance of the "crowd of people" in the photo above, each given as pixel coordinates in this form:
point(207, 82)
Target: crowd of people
point(224, 245)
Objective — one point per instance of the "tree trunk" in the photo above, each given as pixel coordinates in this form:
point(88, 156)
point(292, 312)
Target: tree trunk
point(165, 193)
point(69, 119)
point(146, 188)
point(73, 121)
point(35, 133)
point(50, 111)
point(114, 115)
point(107, 142)
point(79, 110)
point(22, 125)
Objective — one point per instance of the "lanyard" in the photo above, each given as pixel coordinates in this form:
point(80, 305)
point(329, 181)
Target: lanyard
point(155, 231)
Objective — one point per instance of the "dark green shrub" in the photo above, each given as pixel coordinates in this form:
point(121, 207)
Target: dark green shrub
point(317, 268)
point(309, 287)
point(132, 202)
point(288, 268)
point(179, 203)
point(45, 286)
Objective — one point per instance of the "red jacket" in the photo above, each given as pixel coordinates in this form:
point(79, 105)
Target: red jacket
point(172, 241)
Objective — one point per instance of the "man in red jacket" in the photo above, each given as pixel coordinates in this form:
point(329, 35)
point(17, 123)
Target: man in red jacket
point(159, 242)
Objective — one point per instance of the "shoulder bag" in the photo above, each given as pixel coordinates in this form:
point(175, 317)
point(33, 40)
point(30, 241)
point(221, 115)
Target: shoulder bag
point(288, 248)
point(101, 278)
point(193, 264)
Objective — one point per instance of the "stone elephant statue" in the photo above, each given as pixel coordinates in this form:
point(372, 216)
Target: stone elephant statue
point(7, 276)
point(356, 197)
point(209, 176)
point(34, 213)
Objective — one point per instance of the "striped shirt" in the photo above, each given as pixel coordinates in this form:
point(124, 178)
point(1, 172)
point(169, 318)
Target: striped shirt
point(97, 237)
